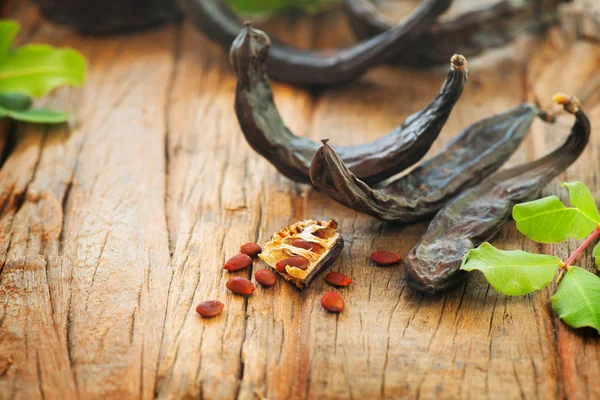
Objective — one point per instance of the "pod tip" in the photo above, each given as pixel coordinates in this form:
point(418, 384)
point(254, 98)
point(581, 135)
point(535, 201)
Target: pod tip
point(248, 24)
point(458, 62)
point(569, 103)
point(325, 140)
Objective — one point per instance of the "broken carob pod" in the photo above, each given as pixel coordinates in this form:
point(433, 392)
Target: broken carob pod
point(268, 135)
point(479, 213)
point(300, 67)
point(288, 254)
point(474, 154)
point(470, 32)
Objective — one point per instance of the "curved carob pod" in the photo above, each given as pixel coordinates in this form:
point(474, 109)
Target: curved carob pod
point(295, 66)
point(478, 214)
point(268, 135)
point(473, 155)
point(468, 33)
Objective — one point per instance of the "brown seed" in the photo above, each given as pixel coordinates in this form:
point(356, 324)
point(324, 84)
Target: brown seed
point(332, 302)
point(250, 249)
point(333, 224)
point(240, 285)
point(305, 244)
point(294, 261)
point(338, 279)
point(210, 308)
point(265, 277)
point(320, 234)
point(238, 262)
point(381, 257)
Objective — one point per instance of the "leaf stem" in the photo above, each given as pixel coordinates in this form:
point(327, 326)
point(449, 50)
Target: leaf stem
point(593, 236)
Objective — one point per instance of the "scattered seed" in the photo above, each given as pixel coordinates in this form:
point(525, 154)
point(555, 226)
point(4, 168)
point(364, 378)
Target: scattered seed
point(210, 308)
point(238, 262)
point(381, 257)
point(332, 302)
point(250, 249)
point(338, 279)
point(265, 277)
point(240, 285)
point(294, 261)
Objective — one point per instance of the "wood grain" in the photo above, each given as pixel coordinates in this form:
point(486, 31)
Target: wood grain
point(114, 227)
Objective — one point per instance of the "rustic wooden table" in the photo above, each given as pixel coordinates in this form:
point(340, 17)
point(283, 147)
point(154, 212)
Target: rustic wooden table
point(114, 228)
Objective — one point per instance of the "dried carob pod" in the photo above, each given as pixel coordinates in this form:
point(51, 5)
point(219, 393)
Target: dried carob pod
point(479, 213)
point(474, 154)
point(300, 67)
point(266, 132)
point(469, 33)
point(296, 262)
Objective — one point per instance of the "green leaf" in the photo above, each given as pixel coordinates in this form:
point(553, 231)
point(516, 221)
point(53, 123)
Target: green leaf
point(577, 300)
point(15, 101)
point(8, 32)
point(548, 220)
point(268, 6)
point(36, 69)
point(37, 116)
point(513, 272)
point(596, 255)
point(583, 200)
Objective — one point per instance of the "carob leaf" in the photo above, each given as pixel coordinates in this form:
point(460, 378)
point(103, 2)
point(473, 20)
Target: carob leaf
point(266, 132)
point(292, 65)
point(512, 272)
point(474, 154)
point(577, 300)
point(478, 214)
point(470, 32)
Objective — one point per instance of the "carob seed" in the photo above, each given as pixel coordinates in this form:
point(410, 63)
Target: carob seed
point(294, 261)
point(250, 249)
point(338, 279)
point(238, 262)
point(305, 244)
point(240, 285)
point(210, 308)
point(381, 257)
point(333, 302)
point(265, 277)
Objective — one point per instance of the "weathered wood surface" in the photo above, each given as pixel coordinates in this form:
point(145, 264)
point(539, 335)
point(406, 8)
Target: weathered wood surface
point(114, 228)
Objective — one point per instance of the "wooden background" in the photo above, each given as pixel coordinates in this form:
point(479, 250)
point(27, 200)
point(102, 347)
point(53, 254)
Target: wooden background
point(114, 228)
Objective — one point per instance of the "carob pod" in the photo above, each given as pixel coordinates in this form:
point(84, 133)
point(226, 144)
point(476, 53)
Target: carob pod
point(268, 135)
point(474, 154)
point(279, 248)
point(300, 67)
point(479, 213)
point(469, 33)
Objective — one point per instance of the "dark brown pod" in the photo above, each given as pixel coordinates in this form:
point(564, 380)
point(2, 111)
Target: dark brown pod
point(238, 262)
point(385, 258)
point(338, 279)
point(300, 265)
point(240, 285)
point(265, 277)
point(210, 308)
point(333, 302)
point(250, 249)
point(268, 135)
point(476, 153)
point(109, 16)
point(479, 213)
point(470, 32)
point(309, 67)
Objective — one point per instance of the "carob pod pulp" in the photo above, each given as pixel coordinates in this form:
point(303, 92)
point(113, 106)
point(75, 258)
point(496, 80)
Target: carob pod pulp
point(473, 155)
point(479, 213)
point(317, 68)
point(268, 135)
point(470, 32)
point(280, 248)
